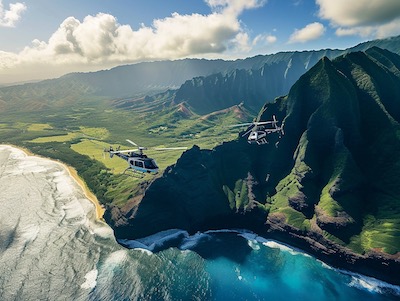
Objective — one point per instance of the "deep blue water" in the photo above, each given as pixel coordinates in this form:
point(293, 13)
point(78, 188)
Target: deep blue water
point(53, 248)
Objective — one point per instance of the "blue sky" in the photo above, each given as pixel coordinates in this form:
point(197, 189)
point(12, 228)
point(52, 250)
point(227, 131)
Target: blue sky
point(45, 39)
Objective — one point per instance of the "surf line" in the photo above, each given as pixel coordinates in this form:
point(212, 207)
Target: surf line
point(74, 174)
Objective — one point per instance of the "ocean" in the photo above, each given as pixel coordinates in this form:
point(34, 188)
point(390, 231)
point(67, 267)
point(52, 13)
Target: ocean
point(53, 248)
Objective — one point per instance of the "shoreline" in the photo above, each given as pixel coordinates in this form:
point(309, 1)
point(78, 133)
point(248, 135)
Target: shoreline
point(100, 210)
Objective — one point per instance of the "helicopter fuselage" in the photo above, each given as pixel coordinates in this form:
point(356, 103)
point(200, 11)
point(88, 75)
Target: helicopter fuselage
point(140, 163)
point(258, 137)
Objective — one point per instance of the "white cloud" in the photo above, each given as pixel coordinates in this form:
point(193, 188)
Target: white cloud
point(360, 12)
point(271, 39)
point(310, 32)
point(366, 18)
point(9, 17)
point(297, 2)
point(241, 42)
point(101, 42)
point(265, 39)
point(360, 31)
point(388, 30)
point(234, 7)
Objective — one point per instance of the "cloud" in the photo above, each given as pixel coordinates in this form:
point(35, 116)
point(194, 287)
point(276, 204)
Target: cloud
point(265, 39)
point(310, 32)
point(234, 7)
point(99, 41)
point(9, 17)
point(360, 12)
point(366, 18)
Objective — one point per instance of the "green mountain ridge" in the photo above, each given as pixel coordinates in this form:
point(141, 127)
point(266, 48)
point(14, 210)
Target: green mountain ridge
point(332, 186)
point(150, 78)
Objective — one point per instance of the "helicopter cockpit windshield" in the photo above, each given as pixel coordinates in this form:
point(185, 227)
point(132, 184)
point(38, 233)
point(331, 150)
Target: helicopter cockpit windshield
point(150, 164)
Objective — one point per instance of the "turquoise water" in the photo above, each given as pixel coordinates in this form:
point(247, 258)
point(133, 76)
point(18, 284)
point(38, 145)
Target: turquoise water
point(53, 248)
point(251, 270)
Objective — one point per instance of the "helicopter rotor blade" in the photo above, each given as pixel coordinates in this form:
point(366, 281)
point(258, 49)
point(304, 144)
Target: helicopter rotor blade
point(241, 124)
point(248, 131)
point(131, 142)
point(253, 123)
point(264, 122)
point(124, 151)
point(169, 148)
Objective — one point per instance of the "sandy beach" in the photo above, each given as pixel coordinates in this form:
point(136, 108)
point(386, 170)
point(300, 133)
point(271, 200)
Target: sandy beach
point(74, 174)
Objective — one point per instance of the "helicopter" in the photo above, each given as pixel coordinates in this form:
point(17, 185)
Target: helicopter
point(258, 131)
point(139, 163)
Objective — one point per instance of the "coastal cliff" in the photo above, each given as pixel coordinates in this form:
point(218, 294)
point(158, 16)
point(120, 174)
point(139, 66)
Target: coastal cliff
point(330, 185)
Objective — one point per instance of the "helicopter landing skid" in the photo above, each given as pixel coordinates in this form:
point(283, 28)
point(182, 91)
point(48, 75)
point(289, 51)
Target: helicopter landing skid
point(133, 173)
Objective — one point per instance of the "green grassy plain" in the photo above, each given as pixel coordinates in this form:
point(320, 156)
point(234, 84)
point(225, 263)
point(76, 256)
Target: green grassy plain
point(77, 134)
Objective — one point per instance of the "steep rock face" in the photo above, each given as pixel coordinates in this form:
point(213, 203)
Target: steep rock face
point(252, 87)
point(330, 185)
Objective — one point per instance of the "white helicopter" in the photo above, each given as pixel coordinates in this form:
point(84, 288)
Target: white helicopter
point(258, 131)
point(138, 162)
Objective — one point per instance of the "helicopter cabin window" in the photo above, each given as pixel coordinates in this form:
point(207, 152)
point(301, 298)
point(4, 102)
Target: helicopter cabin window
point(139, 164)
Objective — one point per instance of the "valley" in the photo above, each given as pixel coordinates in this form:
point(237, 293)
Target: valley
point(84, 130)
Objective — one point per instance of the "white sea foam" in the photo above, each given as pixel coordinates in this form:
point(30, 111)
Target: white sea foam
point(103, 231)
point(27, 165)
point(371, 284)
point(145, 251)
point(63, 182)
point(284, 248)
point(364, 282)
point(326, 266)
point(16, 153)
point(32, 166)
point(36, 248)
point(116, 258)
point(253, 244)
point(275, 245)
point(91, 280)
point(28, 233)
point(73, 211)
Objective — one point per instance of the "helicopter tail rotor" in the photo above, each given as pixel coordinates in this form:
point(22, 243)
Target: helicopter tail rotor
point(110, 151)
point(274, 122)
